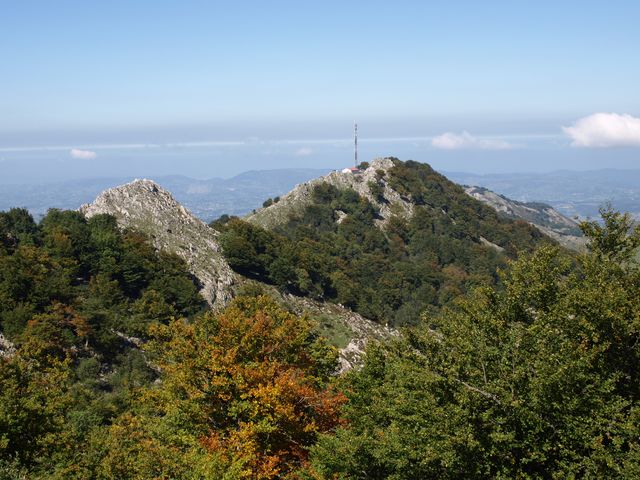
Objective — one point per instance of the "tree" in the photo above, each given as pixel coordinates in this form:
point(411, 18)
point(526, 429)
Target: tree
point(34, 401)
point(17, 227)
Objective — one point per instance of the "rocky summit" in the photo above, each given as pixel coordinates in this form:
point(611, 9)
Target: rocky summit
point(542, 216)
point(144, 206)
point(388, 200)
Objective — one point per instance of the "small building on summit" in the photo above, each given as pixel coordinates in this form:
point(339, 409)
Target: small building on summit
point(351, 170)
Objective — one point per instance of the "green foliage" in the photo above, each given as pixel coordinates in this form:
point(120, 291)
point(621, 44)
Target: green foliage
point(117, 374)
point(17, 227)
point(269, 201)
point(617, 238)
point(34, 397)
point(538, 380)
point(73, 294)
point(92, 265)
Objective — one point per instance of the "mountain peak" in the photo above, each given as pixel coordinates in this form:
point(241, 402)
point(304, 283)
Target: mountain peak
point(370, 183)
point(145, 206)
point(387, 184)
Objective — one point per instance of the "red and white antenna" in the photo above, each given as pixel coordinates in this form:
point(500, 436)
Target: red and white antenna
point(355, 143)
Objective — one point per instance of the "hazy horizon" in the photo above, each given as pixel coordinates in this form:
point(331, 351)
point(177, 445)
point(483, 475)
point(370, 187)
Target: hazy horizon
point(206, 89)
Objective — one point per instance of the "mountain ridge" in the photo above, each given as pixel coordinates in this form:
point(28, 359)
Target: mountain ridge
point(542, 216)
point(371, 183)
point(145, 206)
point(360, 182)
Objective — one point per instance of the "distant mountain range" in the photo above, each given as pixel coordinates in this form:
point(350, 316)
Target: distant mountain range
point(207, 199)
point(574, 194)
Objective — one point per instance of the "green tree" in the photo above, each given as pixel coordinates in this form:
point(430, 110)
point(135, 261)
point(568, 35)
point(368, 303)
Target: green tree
point(34, 400)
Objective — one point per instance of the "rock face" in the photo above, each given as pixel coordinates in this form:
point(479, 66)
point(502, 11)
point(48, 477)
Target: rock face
point(542, 216)
point(144, 206)
point(6, 347)
point(297, 199)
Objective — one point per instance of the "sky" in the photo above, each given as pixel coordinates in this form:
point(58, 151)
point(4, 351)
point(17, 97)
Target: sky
point(211, 89)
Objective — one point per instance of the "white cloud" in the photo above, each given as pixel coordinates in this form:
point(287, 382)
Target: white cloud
point(304, 152)
point(602, 130)
point(82, 154)
point(464, 140)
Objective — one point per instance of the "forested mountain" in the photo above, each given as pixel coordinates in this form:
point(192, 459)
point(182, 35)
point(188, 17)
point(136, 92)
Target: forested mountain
point(535, 380)
point(146, 207)
point(387, 241)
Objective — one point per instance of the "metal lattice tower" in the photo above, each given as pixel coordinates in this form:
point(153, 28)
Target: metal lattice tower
point(355, 143)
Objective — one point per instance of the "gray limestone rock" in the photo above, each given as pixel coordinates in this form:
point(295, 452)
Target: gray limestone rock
point(144, 206)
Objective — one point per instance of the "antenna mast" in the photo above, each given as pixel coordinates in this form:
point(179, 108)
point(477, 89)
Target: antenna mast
point(355, 143)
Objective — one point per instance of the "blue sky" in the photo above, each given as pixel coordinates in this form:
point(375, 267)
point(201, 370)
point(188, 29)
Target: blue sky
point(278, 82)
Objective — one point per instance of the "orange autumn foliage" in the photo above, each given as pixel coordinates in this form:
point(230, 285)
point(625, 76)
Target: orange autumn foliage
point(251, 383)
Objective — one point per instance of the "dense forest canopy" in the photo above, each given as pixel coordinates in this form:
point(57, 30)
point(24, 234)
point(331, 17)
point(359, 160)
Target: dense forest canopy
point(334, 250)
point(113, 280)
point(536, 380)
point(75, 297)
point(119, 372)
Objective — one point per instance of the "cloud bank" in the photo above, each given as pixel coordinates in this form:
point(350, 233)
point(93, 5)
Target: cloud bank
point(304, 152)
point(82, 154)
point(602, 130)
point(464, 140)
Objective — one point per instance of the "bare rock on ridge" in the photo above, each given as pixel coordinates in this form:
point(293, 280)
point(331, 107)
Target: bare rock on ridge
point(542, 216)
point(146, 207)
point(7, 349)
point(301, 196)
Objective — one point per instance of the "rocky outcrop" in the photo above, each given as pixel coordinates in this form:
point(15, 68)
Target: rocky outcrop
point(542, 216)
point(358, 330)
point(144, 206)
point(7, 348)
point(362, 181)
